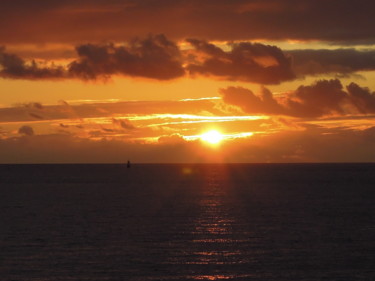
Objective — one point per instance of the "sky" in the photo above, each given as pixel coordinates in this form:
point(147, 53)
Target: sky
point(187, 81)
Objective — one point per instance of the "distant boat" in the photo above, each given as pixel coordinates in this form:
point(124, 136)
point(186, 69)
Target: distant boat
point(128, 164)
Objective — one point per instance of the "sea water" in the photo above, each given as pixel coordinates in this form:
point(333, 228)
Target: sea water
point(187, 222)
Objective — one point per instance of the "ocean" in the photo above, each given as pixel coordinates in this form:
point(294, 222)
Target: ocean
point(187, 222)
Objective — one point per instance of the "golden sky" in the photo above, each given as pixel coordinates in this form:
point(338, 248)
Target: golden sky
point(187, 81)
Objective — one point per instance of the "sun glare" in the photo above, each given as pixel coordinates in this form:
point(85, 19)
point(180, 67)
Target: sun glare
point(212, 137)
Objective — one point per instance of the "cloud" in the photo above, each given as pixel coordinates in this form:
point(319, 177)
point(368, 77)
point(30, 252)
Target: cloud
point(119, 20)
point(159, 58)
point(26, 130)
point(249, 102)
point(123, 123)
point(361, 98)
point(33, 105)
point(36, 116)
point(314, 144)
point(339, 61)
point(172, 139)
point(155, 57)
point(12, 66)
point(122, 108)
point(250, 62)
point(323, 98)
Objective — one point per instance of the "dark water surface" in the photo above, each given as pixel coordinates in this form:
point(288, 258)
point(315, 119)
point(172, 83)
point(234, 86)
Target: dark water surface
point(187, 222)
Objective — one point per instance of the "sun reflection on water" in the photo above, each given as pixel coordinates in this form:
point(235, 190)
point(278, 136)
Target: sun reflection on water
point(213, 229)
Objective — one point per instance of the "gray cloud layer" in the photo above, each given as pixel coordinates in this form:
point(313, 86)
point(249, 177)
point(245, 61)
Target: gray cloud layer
point(84, 20)
point(339, 61)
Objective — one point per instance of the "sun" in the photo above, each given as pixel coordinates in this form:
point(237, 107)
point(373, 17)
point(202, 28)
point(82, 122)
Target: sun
point(212, 137)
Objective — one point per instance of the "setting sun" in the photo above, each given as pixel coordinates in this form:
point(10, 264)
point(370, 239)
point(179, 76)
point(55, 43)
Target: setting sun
point(212, 137)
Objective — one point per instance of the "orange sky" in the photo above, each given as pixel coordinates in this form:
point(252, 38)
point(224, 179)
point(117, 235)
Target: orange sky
point(106, 81)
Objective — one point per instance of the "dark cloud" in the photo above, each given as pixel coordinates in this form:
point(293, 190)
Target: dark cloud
point(35, 22)
point(158, 58)
point(33, 105)
point(249, 102)
point(324, 98)
point(12, 66)
point(155, 57)
point(361, 98)
point(107, 130)
point(123, 123)
point(339, 61)
point(37, 105)
point(26, 130)
point(249, 62)
point(63, 126)
point(36, 116)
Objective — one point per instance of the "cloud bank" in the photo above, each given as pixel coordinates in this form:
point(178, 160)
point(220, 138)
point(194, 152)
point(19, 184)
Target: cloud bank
point(324, 98)
point(24, 21)
point(156, 57)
